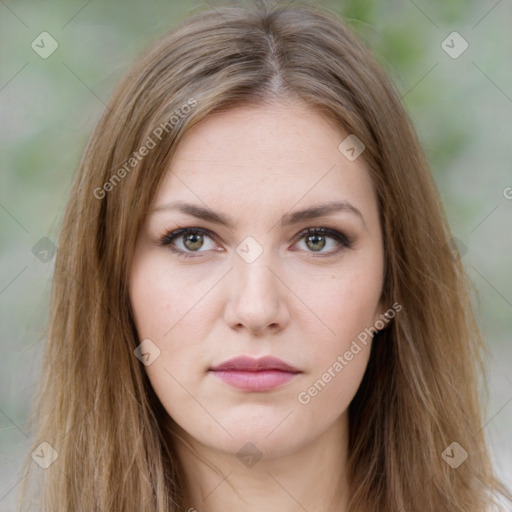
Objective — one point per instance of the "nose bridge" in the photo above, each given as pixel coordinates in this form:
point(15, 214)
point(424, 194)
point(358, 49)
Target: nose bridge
point(257, 299)
point(254, 278)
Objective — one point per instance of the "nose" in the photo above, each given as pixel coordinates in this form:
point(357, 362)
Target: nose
point(257, 299)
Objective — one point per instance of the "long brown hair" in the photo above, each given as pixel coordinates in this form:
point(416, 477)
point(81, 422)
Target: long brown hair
point(95, 406)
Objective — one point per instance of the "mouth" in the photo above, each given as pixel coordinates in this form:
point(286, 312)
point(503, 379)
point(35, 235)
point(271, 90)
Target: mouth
point(256, 375)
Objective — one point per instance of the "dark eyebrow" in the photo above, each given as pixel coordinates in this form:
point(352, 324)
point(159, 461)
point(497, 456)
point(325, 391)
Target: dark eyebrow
point(313, 212)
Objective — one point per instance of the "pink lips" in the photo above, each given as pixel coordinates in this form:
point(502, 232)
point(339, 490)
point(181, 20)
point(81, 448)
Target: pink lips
point(250, 374)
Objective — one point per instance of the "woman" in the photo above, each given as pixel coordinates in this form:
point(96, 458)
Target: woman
point(255, 304)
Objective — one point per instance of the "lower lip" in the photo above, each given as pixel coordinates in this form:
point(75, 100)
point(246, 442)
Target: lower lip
point(264, 380)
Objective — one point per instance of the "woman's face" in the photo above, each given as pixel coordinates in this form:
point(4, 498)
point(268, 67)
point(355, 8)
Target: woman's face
point(252, 282)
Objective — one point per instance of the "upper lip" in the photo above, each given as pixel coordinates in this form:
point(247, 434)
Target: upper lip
point(250, 364)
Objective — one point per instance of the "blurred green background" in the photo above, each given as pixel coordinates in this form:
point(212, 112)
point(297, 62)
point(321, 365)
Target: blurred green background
point(462, 109)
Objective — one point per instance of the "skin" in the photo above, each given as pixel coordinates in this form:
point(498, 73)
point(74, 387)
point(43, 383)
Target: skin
point(256, 164)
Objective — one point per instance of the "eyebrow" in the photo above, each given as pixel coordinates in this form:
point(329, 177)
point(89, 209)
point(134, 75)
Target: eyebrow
point(313, 212)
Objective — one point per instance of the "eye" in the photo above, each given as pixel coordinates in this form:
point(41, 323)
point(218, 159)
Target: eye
point(317, 239)
point(189, 240)
point(186, 241)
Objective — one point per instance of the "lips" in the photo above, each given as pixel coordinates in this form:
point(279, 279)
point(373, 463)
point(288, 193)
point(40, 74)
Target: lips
point(257, 375)
point(248, 364)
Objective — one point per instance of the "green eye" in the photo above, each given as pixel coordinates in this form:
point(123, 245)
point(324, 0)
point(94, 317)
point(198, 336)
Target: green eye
point(317, 239)
point(192, 240)
point(186, 241)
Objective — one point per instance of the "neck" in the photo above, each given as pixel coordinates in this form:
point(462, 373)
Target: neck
point(312, 477)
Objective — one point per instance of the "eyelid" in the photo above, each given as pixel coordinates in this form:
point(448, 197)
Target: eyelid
point(171, 235)
point(339, 236)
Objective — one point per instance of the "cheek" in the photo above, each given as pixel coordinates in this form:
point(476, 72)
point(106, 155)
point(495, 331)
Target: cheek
point(165, 301)
point(171, 309)
point(163, 309)
point(346, 304)
point(328, 393)
point(343, 303)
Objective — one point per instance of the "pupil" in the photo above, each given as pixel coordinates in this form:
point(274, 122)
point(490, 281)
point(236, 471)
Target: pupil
point(315, 240)
point(195, 239)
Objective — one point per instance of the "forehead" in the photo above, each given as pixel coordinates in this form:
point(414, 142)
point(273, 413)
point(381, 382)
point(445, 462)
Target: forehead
point(266, 156)
point(254, 133)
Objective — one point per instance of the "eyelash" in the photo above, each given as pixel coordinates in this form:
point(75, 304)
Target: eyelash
point(343, 240)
